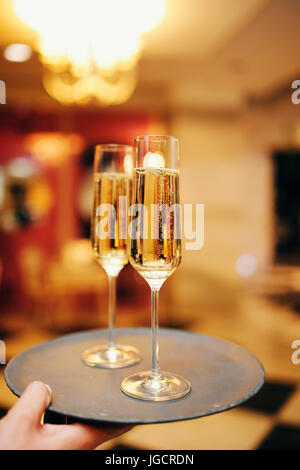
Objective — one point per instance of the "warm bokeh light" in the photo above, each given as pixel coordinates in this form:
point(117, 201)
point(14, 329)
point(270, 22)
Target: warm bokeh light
point(53, 148)
point(91, 18)
point(246, 265)
point(77, 252)
point(22, 167)
point(17, 52)
point(154, 160)
point(128, 164)
point(39, 198)
point(101, 39)
point(113, 90)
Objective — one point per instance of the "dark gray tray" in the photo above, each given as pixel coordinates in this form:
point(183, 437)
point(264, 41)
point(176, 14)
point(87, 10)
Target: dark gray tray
point(223, 375)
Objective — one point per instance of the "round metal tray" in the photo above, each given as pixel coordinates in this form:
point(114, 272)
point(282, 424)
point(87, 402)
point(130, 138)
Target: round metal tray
point(223, 375)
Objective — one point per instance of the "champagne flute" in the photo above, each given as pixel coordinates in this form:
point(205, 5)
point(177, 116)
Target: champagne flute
point(156, 250)
point(112, 195)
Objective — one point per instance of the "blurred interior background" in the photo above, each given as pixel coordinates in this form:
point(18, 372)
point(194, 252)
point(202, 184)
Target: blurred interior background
point(216, 74)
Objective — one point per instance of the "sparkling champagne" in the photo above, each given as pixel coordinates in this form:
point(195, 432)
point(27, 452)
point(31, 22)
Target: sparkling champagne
point(156, 246)
point(155, 251)
point(112, 196)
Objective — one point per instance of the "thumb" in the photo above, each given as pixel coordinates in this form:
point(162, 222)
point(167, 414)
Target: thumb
point(33, 403)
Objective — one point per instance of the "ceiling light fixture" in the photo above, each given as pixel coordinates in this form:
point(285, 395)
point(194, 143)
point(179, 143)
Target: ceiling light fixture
point(90, 48)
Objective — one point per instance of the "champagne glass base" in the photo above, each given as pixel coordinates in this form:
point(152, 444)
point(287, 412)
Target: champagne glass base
point(106, 357)
point(146, 386)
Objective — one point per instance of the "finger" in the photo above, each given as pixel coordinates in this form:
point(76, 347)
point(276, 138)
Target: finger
point(90, 437)
point(32, 404)
point(81, 436)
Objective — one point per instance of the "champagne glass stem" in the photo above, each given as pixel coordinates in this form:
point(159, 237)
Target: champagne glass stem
point(155, 373)
point(112, 286)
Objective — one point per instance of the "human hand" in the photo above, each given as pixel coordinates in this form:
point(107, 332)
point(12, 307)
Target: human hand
point(21, 428)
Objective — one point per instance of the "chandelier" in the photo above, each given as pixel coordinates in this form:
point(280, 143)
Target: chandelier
point(90, 48)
